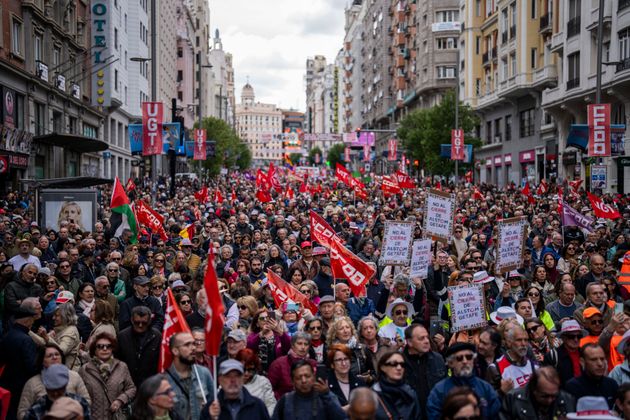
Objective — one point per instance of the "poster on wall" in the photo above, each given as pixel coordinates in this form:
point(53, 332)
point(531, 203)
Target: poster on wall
point(511, 240)
point(598, 177)
point(72, 206)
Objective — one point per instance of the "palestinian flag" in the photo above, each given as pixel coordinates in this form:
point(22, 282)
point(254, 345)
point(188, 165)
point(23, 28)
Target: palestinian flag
point(122, 213)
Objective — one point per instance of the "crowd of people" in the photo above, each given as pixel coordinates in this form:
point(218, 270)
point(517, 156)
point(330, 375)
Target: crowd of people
point(83, 309)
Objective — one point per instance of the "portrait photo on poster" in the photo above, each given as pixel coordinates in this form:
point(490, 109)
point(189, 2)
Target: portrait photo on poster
point(77, 207)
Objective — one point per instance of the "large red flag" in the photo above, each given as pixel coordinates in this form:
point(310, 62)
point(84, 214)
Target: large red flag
point(527, 193)
point(321, 231)
point(202, 195)
point(174, 322)
point(360, 193)
point(218, 198)
point(283, 292)
point(149, 217)
point(215, 317)
point(130, 186)
point(602, 209)
point(272, 176)
point(343, 174)
point(575, 186)
point(404, 180)
point(262, 180)
point(390, 185)
point(263, 196)
point(346, 265)
point(542, 188)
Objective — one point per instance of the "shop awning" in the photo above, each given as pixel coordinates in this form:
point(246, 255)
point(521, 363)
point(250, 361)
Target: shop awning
point(72, 142)
point(72, 182)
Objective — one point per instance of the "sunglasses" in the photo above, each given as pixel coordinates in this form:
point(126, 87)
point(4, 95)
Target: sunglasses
point(184, 302)
point(597, 321)
point(401, 312)
point(104, 346)
point(395, 364)
point(305, 291)
point(533, 329)
point(533, 294)
point(572, 336)
point(157, 287)
point(314, 328)
point(243, 307)
point(263, 318)
point(468, 357)
point(112, 270)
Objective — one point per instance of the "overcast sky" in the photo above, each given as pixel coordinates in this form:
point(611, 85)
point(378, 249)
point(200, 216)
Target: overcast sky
point(271, 40)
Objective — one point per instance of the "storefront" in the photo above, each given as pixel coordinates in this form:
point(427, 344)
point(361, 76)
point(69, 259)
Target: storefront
point(498, 173)
point(507, 162)
point(489, 178)
point(527, 160)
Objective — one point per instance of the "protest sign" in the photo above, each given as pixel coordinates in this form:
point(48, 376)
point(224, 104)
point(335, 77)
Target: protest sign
point(511, 244)
point(420, 258)
point(438, 221)
point(396, 243)
point(468, 309)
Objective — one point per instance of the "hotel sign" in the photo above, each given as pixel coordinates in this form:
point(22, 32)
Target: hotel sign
point(100, 42)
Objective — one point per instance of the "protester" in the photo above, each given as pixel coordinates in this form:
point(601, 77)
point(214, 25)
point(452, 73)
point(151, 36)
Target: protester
point(155, 400)
point(396, 398)
point(593, 381)
point(258, 385)
point(280, 369)
point(139, 345)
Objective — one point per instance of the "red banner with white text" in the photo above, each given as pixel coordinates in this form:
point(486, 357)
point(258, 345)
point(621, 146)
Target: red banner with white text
point(599, 130)
point(346, 265)
point(152, 117)
point(200, 144)
point(457, 144)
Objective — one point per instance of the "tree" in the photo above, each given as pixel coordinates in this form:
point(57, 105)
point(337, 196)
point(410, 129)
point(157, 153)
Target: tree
point(230, 150)
point(314, 152)
point(295, 158)
point(335, 154)
point(424, 130)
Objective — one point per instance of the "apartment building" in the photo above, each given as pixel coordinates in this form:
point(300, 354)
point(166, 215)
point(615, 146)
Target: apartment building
point(350, 62)
point(320, 95)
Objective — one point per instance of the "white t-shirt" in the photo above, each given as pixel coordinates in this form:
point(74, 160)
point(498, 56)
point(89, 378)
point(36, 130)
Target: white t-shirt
point(18, 261)
point(518, 374)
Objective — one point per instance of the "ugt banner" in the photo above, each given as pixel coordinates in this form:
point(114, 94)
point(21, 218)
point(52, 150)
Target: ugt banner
point(391, 149)
point(457, 144)
point(200, 144)
point(599, 130)
point(152, 117)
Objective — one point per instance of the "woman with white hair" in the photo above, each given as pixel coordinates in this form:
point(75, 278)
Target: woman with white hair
point(65, 334)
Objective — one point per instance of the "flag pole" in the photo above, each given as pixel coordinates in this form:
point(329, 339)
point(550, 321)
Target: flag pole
point(203, 394)
point(214, 374)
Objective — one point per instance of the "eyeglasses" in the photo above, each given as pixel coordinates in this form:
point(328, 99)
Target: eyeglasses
point(184, 302)
point(395, 364)
point(346, 360)
point(263, 318)
point(103, 346)
point(139, 323)
point(533, 329)
point(157, 287)
point(533, 294)
point(243, 307)
point(314, 328)
point(597, 321)
point(305, 291)
point(165, 393)
point(468, 357)
point(199, 342)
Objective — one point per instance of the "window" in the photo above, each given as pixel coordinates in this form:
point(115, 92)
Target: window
point(527, 121)
point(56, 58)
point(573, 70)
point(446, 43)
point(497, 130)
point(116, 80)
point(115, 38)
point(624, 44)
point(37, 47)
point(90, 131)
point(447, 16)
point(508, 127)
point(17, 34)
point(445, 72)
point(478, 8)
point(505, 68)
point(180, 75)
point(40, 119)
point(534, 8)
point(513, 64)
point(534, 58)
point(477, 45)
point(489, 132)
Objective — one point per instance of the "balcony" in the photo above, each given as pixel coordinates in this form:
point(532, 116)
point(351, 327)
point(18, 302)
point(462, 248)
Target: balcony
point(546, 77)
point(623, 64)
point(485, 58)
point(623, 4)
point(573, 83)
point(545, 23)
point(504, 37)
point(573, 26)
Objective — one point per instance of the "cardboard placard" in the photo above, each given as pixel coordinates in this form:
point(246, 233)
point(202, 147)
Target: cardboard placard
point(438, 220)
point(420, 258)
point(397, 237)
point(511, 244)
point(468, 308)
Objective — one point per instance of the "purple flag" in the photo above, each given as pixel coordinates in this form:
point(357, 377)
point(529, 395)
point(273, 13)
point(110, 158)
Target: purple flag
point(571, 217)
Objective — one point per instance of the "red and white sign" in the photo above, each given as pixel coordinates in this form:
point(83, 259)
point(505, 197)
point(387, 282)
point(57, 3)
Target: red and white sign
point(150, 218)
point(392, 149)
point(599, 130)
point(200, 144)
point(321, 231)
point(343, 174)
point(283, 292)
point(174, 322)
point(152, 117)
point(346, 154)
point(457, 144)
point(404, 180)
point(390, 185)
point(602, 209)
point(346, 265)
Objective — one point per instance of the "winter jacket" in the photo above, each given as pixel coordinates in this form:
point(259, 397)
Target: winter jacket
point(119, 386)
point(140, 353)
point(554, 311)
point(357, 310)
point(621, 373)
point(280, 374)
point(309, 407)
point(151, 302)
point(260, 387)
point(16, 291)
point(433, 372)
point(393, 407)
point(69, 340)
point(519, 404)
point(594, 387)
point(251, 408)
point(560, 360)
point(490, 403)
point(335, 388)
point(191, 400)
point(34, 389)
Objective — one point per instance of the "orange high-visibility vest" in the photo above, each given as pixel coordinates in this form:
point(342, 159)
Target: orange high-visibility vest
point(615, 358)
point(624, 276)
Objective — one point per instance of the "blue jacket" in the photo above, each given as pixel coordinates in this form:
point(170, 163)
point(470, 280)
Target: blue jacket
point(356, 310)
point(488, 398)
point(191, 399)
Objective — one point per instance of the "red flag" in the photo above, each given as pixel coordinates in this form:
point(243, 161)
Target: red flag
point(469, 177)
point(283, 292)
point(390, 186)
point(215, 317)
point(542, 187)
point(202, 195)
point(343, 174)
point(262, 180)
point(404, 180)
point(303, 188)
point(346, 265)
point(527, 193)
point(200, 145)
point(174, 322)
point(263, 196)
point(560, 201)
point(218, 198)
point(233, 196)
point(360, 193)
point(602, 209)
point(477, 195)
point(321, 231)
point(598, 130)
point(119, 198)
point(149, 217)
point(438, 186)
point(290, 193)
point(152, 117)
point(575, 186)
point(273, 178)
point(392, 149)
point(130, 186)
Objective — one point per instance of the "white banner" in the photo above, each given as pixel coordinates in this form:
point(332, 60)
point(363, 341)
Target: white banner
point(420, 258)
point(511, 241)
point(438, 221)
point(468, 309)
point(397, 239)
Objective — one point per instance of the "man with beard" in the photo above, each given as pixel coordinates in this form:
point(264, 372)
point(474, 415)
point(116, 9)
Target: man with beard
point(460, 358)
point(24, 255)
point(256, 273)
point(191, 382)
point(514, 366)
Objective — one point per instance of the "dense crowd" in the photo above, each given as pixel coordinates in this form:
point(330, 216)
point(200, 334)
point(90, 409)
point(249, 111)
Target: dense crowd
point(83, 308)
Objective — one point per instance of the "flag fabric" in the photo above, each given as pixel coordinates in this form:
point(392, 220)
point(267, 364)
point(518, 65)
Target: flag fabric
point(527, 193)
point(542, 187)
point(560, 201)
point(572, 217)
point(343, 174)
point(123, 216)
point(360, 193)
point(404, 180)
point(202, 195)
point(346, 265)
point(438, 186)
point(272, 176)
point(263, 196)
point(468, 176)
point(477, 195)
point(215, 317)
point(130, 186)
point(322, 232)
point(575, 186)
point(290, 193)
point(150, 218)
point(390, 186)
point(218, 198)
point(283, 292)
point(174, 322)
point(188, 232)
point(262, 180)
point(233, 196)
point(303, 188)
point(602, 209)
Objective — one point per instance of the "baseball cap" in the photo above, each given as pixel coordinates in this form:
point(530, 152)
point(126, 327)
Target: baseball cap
point(64, 296)
point(141, 280)
point(320, 250)
point(237, 335)
point(55, 376)
point(306, 244)
point(590, 312)
point(229, 365)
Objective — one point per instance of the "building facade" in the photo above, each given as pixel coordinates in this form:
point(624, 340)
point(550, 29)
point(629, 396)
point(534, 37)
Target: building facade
point(221, 97)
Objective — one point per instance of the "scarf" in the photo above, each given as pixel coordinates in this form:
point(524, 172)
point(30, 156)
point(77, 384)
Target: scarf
point(86, 307)
point(316, 343)
point(104, 367)
point(394, 391)
point(352, 343)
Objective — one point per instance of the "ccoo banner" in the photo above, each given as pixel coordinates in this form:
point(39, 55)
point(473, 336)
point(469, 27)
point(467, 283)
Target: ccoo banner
point(200, 144)
point(599, 130)
point(152, 117)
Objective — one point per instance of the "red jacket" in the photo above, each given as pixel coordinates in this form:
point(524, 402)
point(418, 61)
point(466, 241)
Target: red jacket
point(280, 374)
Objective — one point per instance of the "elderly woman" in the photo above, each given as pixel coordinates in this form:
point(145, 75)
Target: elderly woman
point(158, 288)
point(247, 308)
point(275, 256)
point(397, 400)
point(65, 334)
point(117, 284)
point(342, 331)
point(107, 379)
point(341, 380)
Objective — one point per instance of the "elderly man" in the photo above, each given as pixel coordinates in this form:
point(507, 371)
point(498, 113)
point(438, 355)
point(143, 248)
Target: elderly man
point(566, 358)
point(596, 275)
point(139, 345)
point(233, 400)
point(400, 312)
point(25, 286)
point(24, 255)
point(102, 290)
point(595, 298)
point(141, 297)
point(565, 306)
point(460, 358)
point(514, 366)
